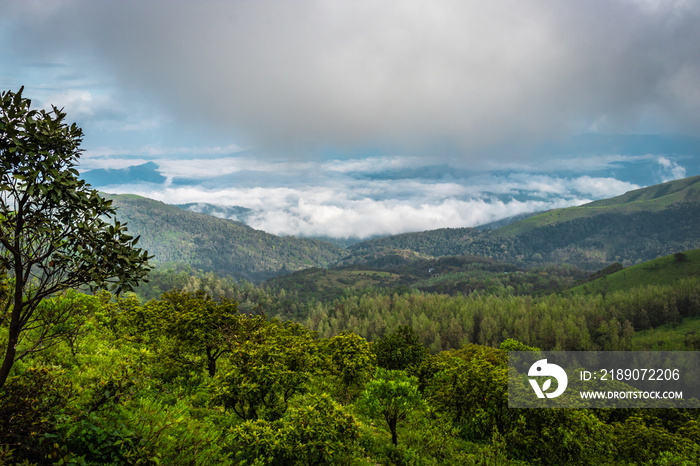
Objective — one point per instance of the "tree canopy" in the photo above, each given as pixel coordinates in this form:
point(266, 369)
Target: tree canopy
point(54, 228)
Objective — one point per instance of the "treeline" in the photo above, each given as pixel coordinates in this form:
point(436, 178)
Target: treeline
point(552, 322)
point(189, 380)
point(606, 321)
point(446, 275)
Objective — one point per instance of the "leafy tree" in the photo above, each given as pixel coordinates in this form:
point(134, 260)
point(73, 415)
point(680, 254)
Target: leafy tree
point(270, 364)
point(193, 323)
point(391, 396)
point(54, 230)
point(471, 385)
point(319, 432)
point(350, 360)
point(511, 344)
point(28, 406)
point(400, 349)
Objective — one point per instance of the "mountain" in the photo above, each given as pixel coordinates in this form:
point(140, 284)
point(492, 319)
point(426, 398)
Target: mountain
point(147, 172)
point(173, 235)
point(237, 213)
point(637, 226)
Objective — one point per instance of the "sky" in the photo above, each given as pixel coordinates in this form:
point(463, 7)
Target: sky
point(358, 118)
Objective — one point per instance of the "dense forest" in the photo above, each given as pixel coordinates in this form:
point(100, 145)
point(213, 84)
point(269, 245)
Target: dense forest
point(196, 368)
point(379, 379)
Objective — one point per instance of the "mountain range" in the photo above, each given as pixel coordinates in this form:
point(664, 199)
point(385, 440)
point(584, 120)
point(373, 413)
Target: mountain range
point(637, 226)
point(177, 236)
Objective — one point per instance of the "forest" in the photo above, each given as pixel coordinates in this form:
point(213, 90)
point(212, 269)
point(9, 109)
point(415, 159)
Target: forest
point(415, 378)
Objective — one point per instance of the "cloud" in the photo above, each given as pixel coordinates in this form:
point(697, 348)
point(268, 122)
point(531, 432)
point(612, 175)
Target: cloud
point(347, 207)
point(670, 170)
point(296, 77)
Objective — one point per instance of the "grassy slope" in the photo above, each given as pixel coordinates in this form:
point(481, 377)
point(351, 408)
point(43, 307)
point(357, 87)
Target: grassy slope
point(650, 199)
point(666, 337)
point(662, 271)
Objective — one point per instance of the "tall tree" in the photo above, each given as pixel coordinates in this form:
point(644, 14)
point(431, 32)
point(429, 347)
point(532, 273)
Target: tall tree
point(392, 395)
point(54, 229)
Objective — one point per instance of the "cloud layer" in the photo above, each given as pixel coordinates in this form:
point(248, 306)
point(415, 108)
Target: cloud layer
point(446, 78)
point(350, 199)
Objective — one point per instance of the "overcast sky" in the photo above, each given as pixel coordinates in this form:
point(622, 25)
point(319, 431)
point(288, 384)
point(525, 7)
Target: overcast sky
point(399, 115)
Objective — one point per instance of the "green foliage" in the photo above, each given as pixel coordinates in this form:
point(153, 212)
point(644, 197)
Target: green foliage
point(29, 404)
point(643, 225)
point(514, 345)
point(144, 432)
point(63, 318)
point(399, 350)
point(270, 364)
point(319, 432)
point(470, 385)
point(448, 275)
point(194, 324)
point(350, 360)
point(54, 230)
point(558, 436)
point(211, 244)
point(667, 270)
point(640, 442)
point(391, 396)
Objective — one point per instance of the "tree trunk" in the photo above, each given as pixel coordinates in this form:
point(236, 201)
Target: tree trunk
point(211, 362)
point(392, 427)
point(10, 352)
point(13, 331)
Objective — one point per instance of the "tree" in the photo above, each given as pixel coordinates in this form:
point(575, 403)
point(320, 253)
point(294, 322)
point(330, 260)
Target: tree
point(319, 431)
point(270, 363)
point(351, 362)
point(192, 325)
point(54, 230)
point(390, 396)
point(399, 350)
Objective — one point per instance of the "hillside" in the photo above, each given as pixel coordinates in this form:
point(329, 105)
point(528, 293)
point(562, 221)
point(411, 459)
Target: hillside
point(654, 198)
point(450, 275)
point(667, 270)
point(174, 235)
point(640, 225)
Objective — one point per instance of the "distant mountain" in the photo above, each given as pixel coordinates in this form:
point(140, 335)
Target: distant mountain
point(637, 226)
point(174, 235)
point(237, 213)
point(147, 172)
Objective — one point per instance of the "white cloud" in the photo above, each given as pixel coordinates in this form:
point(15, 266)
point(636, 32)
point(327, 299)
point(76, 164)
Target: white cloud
point(670, 170)
point(600, 188)
point(79, 104)
point(364, 208)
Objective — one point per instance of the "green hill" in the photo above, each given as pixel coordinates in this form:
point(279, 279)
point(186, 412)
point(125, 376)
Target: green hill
point(174, 235)
point(645, 200)
point(666, 270)
point(640, 225)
